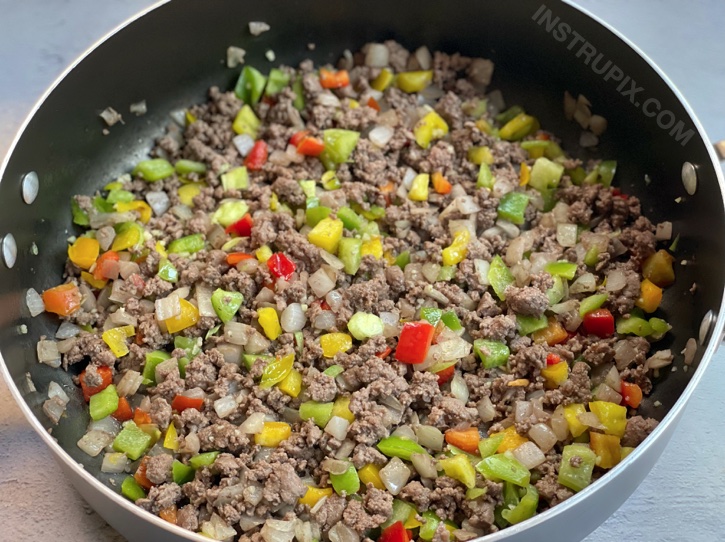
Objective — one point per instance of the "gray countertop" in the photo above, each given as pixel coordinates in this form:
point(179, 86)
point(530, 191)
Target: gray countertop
point(682, 498)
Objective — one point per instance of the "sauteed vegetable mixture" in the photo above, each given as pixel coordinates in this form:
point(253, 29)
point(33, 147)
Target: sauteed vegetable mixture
point(359, 302)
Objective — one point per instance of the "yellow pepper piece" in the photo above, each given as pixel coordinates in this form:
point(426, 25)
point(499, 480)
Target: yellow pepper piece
point(411, 522)
point(556, 374)
point(484, 126)
point(607, 448)
point(161, 249)
point(272, 434)
point(263, 253)
point(334, 343)
point(625, 451)
point(188, 192)
point(658, 268)
point(650, 296)
point(458, 249)
point(115, 185)
point(525, 174)
point(552, 334)
point(518, 127)
point(511, 440)
point(171, 441)
point(571, 414)
point(188, 317)
point(383, 80)
point(189, 117)
point(292, 383)
point(480, 155)
point(269, 320)
point(277, 370)
point(84, 252)
point(143, 209)
point(419, 188)
point(326, 234)
point(373, 247)
point(273, 202)
point(430, 127)
point(389, 258)
point(246, 122)
point(353, 104)
point(130, 236)
point(414, 81)
point(93, 281)
point(370, 474)
point(116, 339)
point(314, 494)
point(341, 409)
point(612, 416)
point(459, 468)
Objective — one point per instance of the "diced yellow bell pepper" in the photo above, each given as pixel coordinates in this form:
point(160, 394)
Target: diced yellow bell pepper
point(353, 104)
point(373, 247)
point(607, 448)
point(370, 474)
point(419, 188)
point(411, 522)
point(84, 252)
point(658, 268)
point(188, 192)
point(571, 414)
point(552, 334)
point(459, 468)
point(555, 375)
point(161, 249)
point(263, 253)
point(93, 281)
point(625, 451)
point(429, 128)
point(269, 320)
point(189, 117)
point(458, 249)
point(518, 127)
point(314, 494)
point(246, 122)
point(525, 174)
point(143, 209)
point(334, 343)
point(272, 434)
point(650, 296)
point(171, 440)
point(511, 440)
point(326, 234)
point(389, 258)
point(130, 235)
point(188, 317)
point(341, 409)
point(484, 126)
point(292, 383)
point(116, 337)
point(612, 416)
point(414, 81)
point(479, 155)
point(383, 80)
point(273, 202)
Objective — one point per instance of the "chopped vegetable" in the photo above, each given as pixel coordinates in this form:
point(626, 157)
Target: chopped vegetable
point(318, 412)
point(419, 189)
point(650, 296)
point(132, 441)
point(512, 207)
point(459, 468)
point(188, 317)
point(185, 167)
point(292, 384)
point(363, 325)
point(571, 414)
point(154, 169)
point(280, 266)
point(350, 252)
point(181, 473)
point(276, 371)
point(326, 234)
point(500, 277)
point(518, 127)
point(116, 337)
point(562, 269)
point(591, 303)
point(370, 474)
point(273, 434)
point(599, 322)
point(457, 251)
point(104, 403)
point(613, 417)
point(332, 79)
point(131, 489)
point(511, 439)
point(414, 342)
point(246, 122)
point(181, 403)
point(226, 304)
point(576, 467)
point(631, 394)
point(429, 128)
point(257, 157)
point(607, 448)
point(63, 300)
point(525, 509)
point(339, 144)
point(555, 375)
point(235, 179)
point(414, 81)
point(400, 447)
point(128, 236)
point(347, 483)
point(242, 227)
point(658, 268)
point(502, 467)
point(313, 495)
point(84, 252)
point(545, 174)
point(250, 85)
point(269, 322)
point(492, 353)
point(203, 460)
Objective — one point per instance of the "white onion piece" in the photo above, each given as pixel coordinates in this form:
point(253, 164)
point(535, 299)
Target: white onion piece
point(430, 271)
point(345, 449)
point(511, 230)
point(129, 383)
point(118, 293)
point(65, 345)
point(105, 237)
point(66, 330)
point(543, 436)
point(424, 58)
point(279, 158)
point(466, 205)
point(107, 425)
point(613, 379)
point(126, 269)
point(321, 283)
point(408, 177)
point(605, 393)
point(486, 409)
point(54, 409)
point(381, 135)
point(182, 212)
point(588, 139)
point(114, 463)
point(515, 251)
point(254, 423)
point(430, 437)
point(689, 351)
point(203, 300)
point(167, 307)
point(663, 231)
point(293, 318)
point(332, 260)
point(405, 431)
point(597, 125)
point(217, 529)
point(566, 234)
point(339, 533)
point(236, 333)
point(337, 427)
point(481, 267)
point(258, 27)
point(334, 300)
point(158, 201)
point(122, 318)
point(529, 455)
point(328, 99)
point(585, 283)
point(224, 406)
point(424, 465)
point(48, 353)
point(324, 320)
point(395, 475)
point(377, 55)
point(335, 466)
point(480, 71)
point(54, 390)
point(590, 419)
point(34, 302)
point(559, 424)
point(243, 143)
point(565, 306)
point(256, 343)
point(659, 359)
point(624, 354)
point(459, 388)
point(93, 442)
point(522, 411)
point(616, 280)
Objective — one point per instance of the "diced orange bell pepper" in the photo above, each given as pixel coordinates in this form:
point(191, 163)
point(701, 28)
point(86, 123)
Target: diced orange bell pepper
point(331, 79)
point(63, 300)
point(141, 417)
point(466, 439)
point(84, 252)
point(100, 272)
point(140, 475)
point(631, 394)
point(511, 440)
point(235, 257)
point(440, 183)
point(310, 146)
point(650, 296)
point(373, 104)
point(124, 411)
point(658, 268)
point(552, 334)
point(106, 375)
point(169, 514)
point(607, 448)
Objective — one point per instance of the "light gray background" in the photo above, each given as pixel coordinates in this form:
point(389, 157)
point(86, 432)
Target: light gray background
point(683, 497)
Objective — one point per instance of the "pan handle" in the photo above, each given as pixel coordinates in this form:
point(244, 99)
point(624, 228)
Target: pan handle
point(720, 149)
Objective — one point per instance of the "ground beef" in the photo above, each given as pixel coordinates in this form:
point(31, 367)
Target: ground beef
point(527, 301)
point(158, 469)
point(160, 498)
point(319, 386)
point(449, 413)
point(638, 428)
point(187, 518)
point(330, 512)
point(577, 389)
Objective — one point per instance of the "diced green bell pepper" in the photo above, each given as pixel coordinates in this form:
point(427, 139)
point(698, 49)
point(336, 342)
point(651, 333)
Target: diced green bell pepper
point(512, 207)
point(314, 215)
point(299, 90)
point(250, 85)
point(350, 252)
point(492, 353)
point(249, 359)
point(528, 324)
point(431, 315)
point(350, 219)
point(400, 447)
point(593, 302)
point(485, 177)
point(401, 512)
point(236, 179)
point(634, 325)
point(132, 441)
point(188, 244)
point(525, 509)
point(578, 477)
point(451, 320)
point(102, 206)
point(606, 171)
point(181, 473)
point(447, 272)
point(545, 174)
point(333, 370)
point(185, 167)
point(430, 525)
point(276, 82)
point(229, 212)
point(459, 468)
point(475, 492)
point(561, 269)
point(403, 259)
point(308, 187)
point(519, 127)
point(347, 483)
point(167, 271)
point(499, 276)
point(659, 327)
point(488, 446)
point(118, 195)
point(508, 115)
point(154, 169)
point(149, 369)
point(320, 413)
point(363, 325)
point(330, 181)
point(503, 467)
point(226, 304)
point(131, 489)
point(203, 460)
point(339, 144)
point(556, 293)
point(80, 217)
point(104, 403)
point(192, 345)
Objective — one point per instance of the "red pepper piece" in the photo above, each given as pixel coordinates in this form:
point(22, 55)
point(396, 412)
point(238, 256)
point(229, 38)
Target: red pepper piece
point(373, 104)
point(140, 475)
point(281, 266)
point(311, 146)
point(106, 375)
point(385, 353)
point(414, 342)
point(331, 79)
point(552, 359)
point(182, 402)
point(599, 322)
point(242, 227)
point(394, 533)
point(616, 192)
point(297, 138)
point(446, 374)
point(631, 394)
point(124, 412)
point(257, 157)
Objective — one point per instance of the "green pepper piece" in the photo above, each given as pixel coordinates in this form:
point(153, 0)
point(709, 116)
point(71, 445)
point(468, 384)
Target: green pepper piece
point(459, 468)
point(308, 187)
point(606, 171)
point(593, 302)
point(339, 144)
point(320, 413)
point(634, 325)
point(430, 525)
point(400, 447)
point(80, 217)
point(191, 345)
point(185, 167)
point(315, 214)
point(508, 115)
point(149, 369)
point(561, 269)
point(519, 127)
point(347, 483)
point(374, 213)
point(276, 82)
point(236, 179)
point(492, 353)
point(250, 85)
point(226, 304)
point(553, 150)
point(333, 370)
point(579, 477)
point(577, 175)
point(299, 90)
point(528, 324)
point(131, 489)
point(535, 147)
point(213, 331)
point(229, 212)
point(104, 403)
point(475, 492)
point(249, 359)
point(512, 207)
point(203, 460)
point(188, 244)
point(181, 473)
point(500, 277)
point(591, 258)
point(167, 271)
point(447, 273)
point(503, 467)
point(102, 206)
point(431, 315)
point(545, 174)
point(154, 169)
point(330, 181)
point(488, 446)
point(350, 219)
point(510, 495)
point(403, 259)
point(132, 441)
point(556, 293)
point(450, 319)
point(119, 195)
point(401, 512)
point(350, 252)
point(485, 177)
point(548, 195)
point(525, 509)
point(659, 327)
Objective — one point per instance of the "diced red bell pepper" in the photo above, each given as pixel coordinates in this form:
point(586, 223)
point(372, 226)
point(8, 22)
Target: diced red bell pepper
point(325, 306)
point(446, 374)
point(257, 157)
point(631, 394)
point(124, 412)
point(414, 342)
point(394, 533)
point(599, 322)
point(385, 353)
point(331, 79)
point(182, 402)
point(297, 138)
point(310, 146)
point(106, 375)
point(281, 266)
point(99, 273)
point(373, 104)
point(242, 227)
point(140, 475)
point(617, 193)
point(141, 417)
point(552, 359)
point(235, 257)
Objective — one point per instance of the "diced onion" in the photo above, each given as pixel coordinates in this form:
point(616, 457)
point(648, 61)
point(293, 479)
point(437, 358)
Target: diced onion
point(511, 230)
point(430, 437)
point(337, 427)
point(423, 56)
point(613, 379)
point(659, 359)
point(663, 231)
point(334, 300)
point(406, 432)
point(321, 283)
point(381, 135)
point(345, 449)
point(34, 302)
point(590, 419)
point(129, 383)
point(118, 294)
point(335, 466)
point(48, 353)
point(54, 390)
point(158, 201)
point(424, 465)
point(328, 99)
point(624, 354)
point(67, 330)
point(94, 441)
point(689, 351)
point(585, 283)
point(466, 205)
point(257, 27)
point(395, 475)
point(254, 423)
point(190, 444)
point(566, 234)
point(616, 280)
point(114, 463)
point(236, 333)
point(529, 455)
point(224, 406)
point(243, 143)
point(340, 533)
point(377, 55)
point(217, 529)
point(256, 343)
point(167, 307)
point(559, 424)
point(54, 409)
point(332, 260)
point(293, 318)
point(597, 124)
point(588, 139)
point(486, 409)
point(109, 425)
point(126, 269)
point(605, 393)
point(543, 436)
point(522, 411)
point(324, 320)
